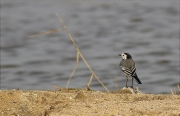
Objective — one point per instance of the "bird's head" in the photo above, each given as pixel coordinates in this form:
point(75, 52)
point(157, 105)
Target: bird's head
point(125, 56)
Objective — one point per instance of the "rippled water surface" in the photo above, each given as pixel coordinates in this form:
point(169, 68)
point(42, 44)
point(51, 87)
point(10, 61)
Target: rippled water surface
point(148, 30)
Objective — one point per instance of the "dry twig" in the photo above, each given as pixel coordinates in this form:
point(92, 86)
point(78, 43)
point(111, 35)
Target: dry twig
point(77, 56)
point(80, 52)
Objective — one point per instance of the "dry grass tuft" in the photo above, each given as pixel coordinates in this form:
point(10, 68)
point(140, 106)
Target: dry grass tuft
point(174, 91)
point(126, 90)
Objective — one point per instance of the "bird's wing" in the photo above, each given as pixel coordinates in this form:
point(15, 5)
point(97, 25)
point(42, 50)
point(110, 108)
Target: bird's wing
point(133, 71)
point(129, 71)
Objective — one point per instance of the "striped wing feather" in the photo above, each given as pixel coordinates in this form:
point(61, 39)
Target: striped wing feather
point(129, 71)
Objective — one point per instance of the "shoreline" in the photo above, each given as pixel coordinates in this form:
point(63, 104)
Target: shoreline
point(88, 103)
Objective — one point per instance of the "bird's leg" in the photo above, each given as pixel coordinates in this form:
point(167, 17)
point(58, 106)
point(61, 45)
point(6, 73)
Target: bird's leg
point(126, 81)
point(132, 83)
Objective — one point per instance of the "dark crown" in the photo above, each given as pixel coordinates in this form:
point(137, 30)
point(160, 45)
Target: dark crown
point(128, 56)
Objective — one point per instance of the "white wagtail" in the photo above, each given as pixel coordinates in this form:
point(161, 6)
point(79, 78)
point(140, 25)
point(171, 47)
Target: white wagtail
point(128, 67)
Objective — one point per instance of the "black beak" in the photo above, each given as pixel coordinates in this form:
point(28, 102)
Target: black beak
point(119, 54)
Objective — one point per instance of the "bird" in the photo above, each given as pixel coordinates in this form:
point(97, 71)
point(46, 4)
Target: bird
point(128, 67)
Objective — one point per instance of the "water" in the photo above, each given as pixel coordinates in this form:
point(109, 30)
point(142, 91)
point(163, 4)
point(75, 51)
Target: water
point(148, 30)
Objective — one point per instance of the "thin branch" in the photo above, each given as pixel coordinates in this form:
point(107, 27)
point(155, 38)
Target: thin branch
point(77, 58)
point(80, 52)
point(88, 84)
point(45, 33)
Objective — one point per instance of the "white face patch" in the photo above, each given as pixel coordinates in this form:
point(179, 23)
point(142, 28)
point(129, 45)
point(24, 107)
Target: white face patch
point(124, 56)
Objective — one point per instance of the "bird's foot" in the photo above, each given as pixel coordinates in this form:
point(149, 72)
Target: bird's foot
point(129, 87)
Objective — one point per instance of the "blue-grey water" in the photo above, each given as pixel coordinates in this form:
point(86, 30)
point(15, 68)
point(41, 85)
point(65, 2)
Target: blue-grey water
point(147, 29)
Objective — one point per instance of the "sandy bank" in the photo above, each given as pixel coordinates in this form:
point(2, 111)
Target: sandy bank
point(78, 102)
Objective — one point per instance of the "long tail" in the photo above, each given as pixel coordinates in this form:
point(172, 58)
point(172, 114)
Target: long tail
point(137, 79)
